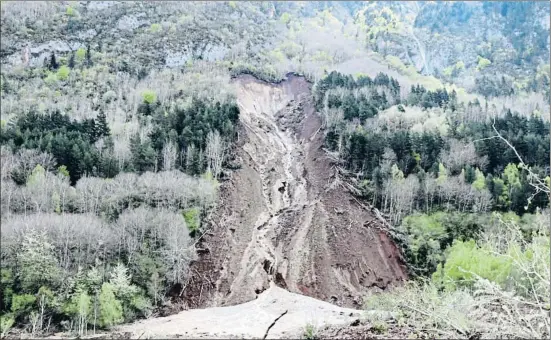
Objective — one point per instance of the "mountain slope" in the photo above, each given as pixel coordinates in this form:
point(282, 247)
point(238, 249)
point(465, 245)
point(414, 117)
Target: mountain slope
point(284, 217)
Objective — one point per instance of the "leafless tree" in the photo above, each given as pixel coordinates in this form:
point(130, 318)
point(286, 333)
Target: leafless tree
point(215, 152)
point(170, 154)
point(460, 155)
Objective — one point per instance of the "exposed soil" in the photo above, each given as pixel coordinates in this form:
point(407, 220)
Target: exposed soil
point(287, 247)
point(276, 313)
point(281, 220)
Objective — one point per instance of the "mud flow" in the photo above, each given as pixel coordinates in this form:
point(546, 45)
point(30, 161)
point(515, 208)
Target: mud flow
point(280, 220)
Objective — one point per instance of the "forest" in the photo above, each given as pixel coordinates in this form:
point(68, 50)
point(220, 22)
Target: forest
point(419, 158)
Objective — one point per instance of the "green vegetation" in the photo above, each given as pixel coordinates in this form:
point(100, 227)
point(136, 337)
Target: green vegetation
point(309, 332)
point(63, 73)
point(482, 63)
point(149, 97)
point(462, 294)
point(154, 28)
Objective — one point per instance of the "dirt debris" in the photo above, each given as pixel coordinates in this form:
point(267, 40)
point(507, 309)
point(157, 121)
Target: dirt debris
point(280, 220)
point(275, 313)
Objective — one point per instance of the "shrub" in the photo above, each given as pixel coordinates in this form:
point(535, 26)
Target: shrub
point(191, 216)
point(81, 53)
point(6, 322)
point(155, 28)
point(309, 332)
point(482, 63)
point(63, 73)
point(22, 304)
point(466, 259)
point(149, 97)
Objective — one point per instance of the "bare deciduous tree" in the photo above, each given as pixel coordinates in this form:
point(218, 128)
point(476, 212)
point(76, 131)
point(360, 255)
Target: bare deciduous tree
point(461, 154)
point(215, 152)
point(170, 154)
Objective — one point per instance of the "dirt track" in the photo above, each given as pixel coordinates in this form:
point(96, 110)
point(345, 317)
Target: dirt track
point(280, 219)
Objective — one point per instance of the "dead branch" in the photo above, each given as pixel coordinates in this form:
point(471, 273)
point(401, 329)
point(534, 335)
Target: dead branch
point(273, 324)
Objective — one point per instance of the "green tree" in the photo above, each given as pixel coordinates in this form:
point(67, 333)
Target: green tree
point(71, 62)
point(191, 216)
point(6, 322)
point(88, 57)
point(53, 64)
point(6, 288)
point(62, 170)
point(79, 308)
point(425, 236)
point(37, 176)
point(482, 63)
point(149, 97)
point(102, 125)
point(22, 304)
point(465, 259)
point(110, 308)
point(154, 28)
point(38, 264)
point(94, 280)
point(63, 72)
point(81, 54)
point(479, 182)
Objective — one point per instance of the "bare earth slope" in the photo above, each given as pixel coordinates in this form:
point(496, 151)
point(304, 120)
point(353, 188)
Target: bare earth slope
point(281, 220)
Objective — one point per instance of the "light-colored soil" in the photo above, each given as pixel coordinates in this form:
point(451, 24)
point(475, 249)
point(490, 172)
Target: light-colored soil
point(249, 320)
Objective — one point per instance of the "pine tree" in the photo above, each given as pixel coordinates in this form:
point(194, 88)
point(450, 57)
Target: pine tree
point(101, 125)
point(110, 311)
point(71, 62)
point(53, 65)
point(88, 57)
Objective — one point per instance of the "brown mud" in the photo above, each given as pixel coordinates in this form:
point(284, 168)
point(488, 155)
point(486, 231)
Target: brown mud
point(281, 220)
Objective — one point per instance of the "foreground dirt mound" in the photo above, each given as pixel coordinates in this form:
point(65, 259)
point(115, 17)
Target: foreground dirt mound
point(281, 220)
point(276, 313)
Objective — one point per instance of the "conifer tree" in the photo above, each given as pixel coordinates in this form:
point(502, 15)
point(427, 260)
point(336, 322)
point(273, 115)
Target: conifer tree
point(53, 65)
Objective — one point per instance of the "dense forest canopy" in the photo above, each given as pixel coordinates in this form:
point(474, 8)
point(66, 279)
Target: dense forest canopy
point(119, 122)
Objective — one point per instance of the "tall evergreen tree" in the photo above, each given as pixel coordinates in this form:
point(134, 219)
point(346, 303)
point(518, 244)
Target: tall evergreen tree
point(88, 56)
point(101, 125)
point(71, 62)
point(53, 65)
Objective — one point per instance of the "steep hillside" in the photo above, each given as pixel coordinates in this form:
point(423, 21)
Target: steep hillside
point(285, 216)
point(483, 47)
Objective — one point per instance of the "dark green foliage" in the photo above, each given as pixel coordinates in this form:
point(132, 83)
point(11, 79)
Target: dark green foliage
point(102, 128)
point(70, 142)
point(71, 62)
point(189, 128)
point(143, 154)
point(88, 57)
point(52, 63)
point(364, 107)
point(493, 87)
point(427, 99)
point(529, 136)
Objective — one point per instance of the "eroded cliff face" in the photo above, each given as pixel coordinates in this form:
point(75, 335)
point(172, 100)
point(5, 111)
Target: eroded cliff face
point(282, 216)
